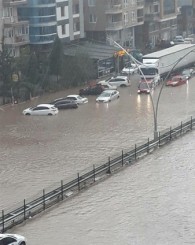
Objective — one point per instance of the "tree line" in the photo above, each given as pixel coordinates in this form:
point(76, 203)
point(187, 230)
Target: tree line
point(34, 73)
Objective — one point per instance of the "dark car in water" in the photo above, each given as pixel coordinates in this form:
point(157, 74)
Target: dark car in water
point(63, 103)
point(92, 90)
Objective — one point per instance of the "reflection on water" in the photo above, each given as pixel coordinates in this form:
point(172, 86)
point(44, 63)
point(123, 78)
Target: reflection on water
point(37, 152)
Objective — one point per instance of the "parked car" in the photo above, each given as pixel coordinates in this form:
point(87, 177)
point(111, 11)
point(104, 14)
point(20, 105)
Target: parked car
point(12, 239)
point(188, 73)
point(130, 70)
point(106, 85)
point(77, 98)
point(145, 87)
point(65, 104)
point(92, 90)
point(41, 110)
point(176, 81)
point(120, 81)
point(107, 96)
point(189, 40)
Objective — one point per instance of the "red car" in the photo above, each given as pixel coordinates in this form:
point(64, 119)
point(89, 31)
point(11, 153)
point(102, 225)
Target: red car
point(176, 81)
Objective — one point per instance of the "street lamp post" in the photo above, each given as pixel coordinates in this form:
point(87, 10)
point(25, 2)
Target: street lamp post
point(155, 108)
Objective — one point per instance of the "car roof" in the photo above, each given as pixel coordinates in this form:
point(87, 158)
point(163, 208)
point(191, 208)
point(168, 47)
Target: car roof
point(109, 91)
point(7, 235)
point(72, 95)
point(48, 105)
point(124, 77)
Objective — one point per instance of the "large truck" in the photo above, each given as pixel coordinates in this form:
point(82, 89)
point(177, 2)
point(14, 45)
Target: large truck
point(160, 63)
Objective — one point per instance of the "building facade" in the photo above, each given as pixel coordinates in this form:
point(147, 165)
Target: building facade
point(14, 31)
point(113, 20)
point(160, 21)
point(48, 18)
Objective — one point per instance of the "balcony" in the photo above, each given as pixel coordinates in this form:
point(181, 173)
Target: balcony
point(18, 40)
point(114, 26)
point(14, 2)
point(13, 21)
point(114, 9)
point(140, 3)
point(152, 17)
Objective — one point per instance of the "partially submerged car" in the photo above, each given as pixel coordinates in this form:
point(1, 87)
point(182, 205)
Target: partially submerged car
point(92, 90)
point(177, 81)
point(108, 96)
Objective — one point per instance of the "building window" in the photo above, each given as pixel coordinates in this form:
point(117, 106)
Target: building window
point(62, 11)
point(92, 18)
point(133, 16)
point(76, 26)
point(126, 18)
point(169, 7)
point(63, 29)
point(91, 2)
point(76, 9)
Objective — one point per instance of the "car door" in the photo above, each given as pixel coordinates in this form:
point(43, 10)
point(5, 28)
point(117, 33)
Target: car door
point(36, 111)
point(115, 95)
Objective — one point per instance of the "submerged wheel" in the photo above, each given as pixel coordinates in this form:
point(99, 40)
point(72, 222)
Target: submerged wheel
point(49, 114)
point(27, 114)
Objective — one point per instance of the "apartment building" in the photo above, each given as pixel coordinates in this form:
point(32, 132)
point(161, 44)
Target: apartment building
point(160, 21)
point(186, 23)
point(1, 23)
point(113, 20)
point(48, 18)
point(14, 32)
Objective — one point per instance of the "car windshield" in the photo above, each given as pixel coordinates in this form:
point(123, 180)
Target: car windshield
point(186, 72)
point(175, 78)
point(105, 94)
point(79, 97)
point(145, 85)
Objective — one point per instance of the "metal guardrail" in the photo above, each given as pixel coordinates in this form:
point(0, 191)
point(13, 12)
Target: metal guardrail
point(64, 191)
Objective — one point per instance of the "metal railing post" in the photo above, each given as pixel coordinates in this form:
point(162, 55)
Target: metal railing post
point(108, 171)
point(191, 123)
point(78, 178)
point(93, 172)
point(148, 146)
point(62, 190)
point(24, 209)
point(122, 158)
point(170, 133)
point(3, 224)
point(43, 199)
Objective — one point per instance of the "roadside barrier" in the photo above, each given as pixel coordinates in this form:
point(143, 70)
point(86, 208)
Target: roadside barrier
point(67, 190)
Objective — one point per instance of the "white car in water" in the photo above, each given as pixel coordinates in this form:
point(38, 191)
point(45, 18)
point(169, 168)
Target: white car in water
point(77, 98)
point(41, 110)
point(130, 70)
point(120, 81)
point(106, 85)
point(108, 96)
point(12, 239)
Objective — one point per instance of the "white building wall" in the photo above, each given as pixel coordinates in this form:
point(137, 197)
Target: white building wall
point(1, 23)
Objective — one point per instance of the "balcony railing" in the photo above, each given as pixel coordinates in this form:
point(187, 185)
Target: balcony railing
point(13, 21)
point(114, 9)
point(114, 26)
point(140, 3)
point(152, 17)
point(17, 40)
point(14, 2)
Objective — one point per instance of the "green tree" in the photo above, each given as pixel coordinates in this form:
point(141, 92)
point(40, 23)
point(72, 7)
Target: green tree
point(5, 73)
point(56, 59)
point(78, 69)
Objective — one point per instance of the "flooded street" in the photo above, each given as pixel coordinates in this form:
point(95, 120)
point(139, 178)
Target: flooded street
point(150, 203)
